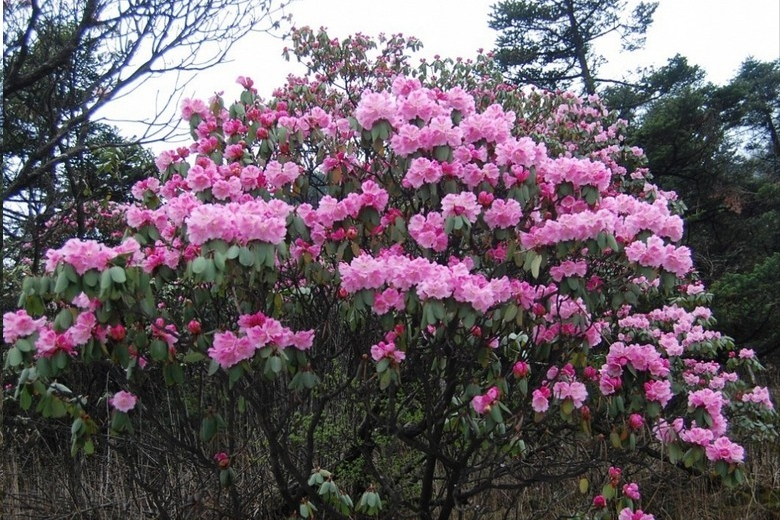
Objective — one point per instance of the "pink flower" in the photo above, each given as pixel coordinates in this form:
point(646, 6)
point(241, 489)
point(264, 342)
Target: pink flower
point(373, 107)
point(428, 231)
point(599, 502)
point(635, 421)
point(723, 449)
point(759, 395)
point(632, 491)
point(521, 369)
point(19, 324)
point(575, 391)
point(627, 514)
point(660, 391)
point(463, 204)
point(699, 436)
point(503, 214)
point(540, 399)
point(123, 401)
point(387, 350)
point(228, 350)
point(483, 403)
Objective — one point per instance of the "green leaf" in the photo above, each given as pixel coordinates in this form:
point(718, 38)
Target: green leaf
point(199, 265)
point(62, 283)
point(118, 274)
point(276, 364)
point(76, 426)
point(208, 428)
point(24, 345)
point(193, 357)
point(536, 264)
point(25, 399)
point(246, 257)
point(159, 350)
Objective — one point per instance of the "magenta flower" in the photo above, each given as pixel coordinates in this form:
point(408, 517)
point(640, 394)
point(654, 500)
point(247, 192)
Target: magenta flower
point(123, 401)
point(632, 491)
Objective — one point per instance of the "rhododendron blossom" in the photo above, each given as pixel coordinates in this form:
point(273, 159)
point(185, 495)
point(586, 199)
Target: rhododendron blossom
point(123, 401)
point(463, 272)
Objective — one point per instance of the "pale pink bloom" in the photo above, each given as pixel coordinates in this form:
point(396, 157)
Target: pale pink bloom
point(723, 449)
point(228, 350)
point(19, 324)
point(387, 350)
point(568, 269)
point(406, 141)
point(373, 107)
point(696, 435)
point(627, 514)
point(302, 340)
point(659, 391)
point(503, 214)
point(678, 260)
point(123, 401)
point(81, 332)
point(483, 403)
point(463, 204)
point(83, 255)
point(710, 400)
point(373, 196)
point(668, 432)
point(428, 231)
point(388, 299)
point(540, 399)
point(190, 107)
point(278, 175)
point(759, 395)
point(419, 103)
point(694, 289)
point(746, 353)
point(575, 391)
point(422, 171)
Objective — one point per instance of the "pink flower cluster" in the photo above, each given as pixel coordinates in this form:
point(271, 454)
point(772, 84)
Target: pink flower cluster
point(50, 342)
point(759, 395)
point(84, 255)
point(628, 514)
point(19, 324)
point(654, 253)
point(255, 332)
point(482, 403)
point(239, 222)
point(428, 231)
point(332, 211)
point(387, 349)
point(430, 280)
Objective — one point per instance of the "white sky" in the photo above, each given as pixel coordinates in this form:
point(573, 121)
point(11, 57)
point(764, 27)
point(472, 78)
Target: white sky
point(715, 34)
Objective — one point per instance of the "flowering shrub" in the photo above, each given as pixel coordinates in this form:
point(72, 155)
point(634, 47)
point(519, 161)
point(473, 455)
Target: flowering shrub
point(470, 272)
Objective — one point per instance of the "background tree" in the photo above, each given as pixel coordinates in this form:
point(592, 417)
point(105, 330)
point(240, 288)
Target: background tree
point(551, 43)
point(715, 146)
point(63, 61)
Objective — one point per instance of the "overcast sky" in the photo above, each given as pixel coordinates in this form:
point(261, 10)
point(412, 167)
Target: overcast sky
point(715, 34)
